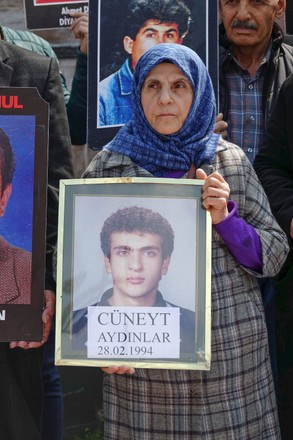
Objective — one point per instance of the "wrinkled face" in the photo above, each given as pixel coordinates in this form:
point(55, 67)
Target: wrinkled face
point(248, 23)
point(166, 98)
point(149, 35)
point(136, 265)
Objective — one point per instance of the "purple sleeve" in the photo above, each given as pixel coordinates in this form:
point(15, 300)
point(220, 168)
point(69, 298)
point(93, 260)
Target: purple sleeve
point(242, 239)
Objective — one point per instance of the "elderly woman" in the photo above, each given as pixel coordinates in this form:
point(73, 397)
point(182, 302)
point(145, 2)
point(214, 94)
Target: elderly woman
point(171, 135)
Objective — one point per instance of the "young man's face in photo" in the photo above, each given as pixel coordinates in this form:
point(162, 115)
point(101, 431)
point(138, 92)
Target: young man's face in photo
point(149, 35)
point(136, 265)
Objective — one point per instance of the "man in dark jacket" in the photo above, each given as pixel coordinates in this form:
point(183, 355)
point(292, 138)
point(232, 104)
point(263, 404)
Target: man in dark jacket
point(274, 166)
point(254, 63)
point(21, 362)
point(76, 103)
point(76, 100)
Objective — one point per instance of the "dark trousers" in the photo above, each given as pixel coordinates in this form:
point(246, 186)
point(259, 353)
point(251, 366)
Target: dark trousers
point(21, 386)
point(52, 428)
point(268, 297)
point(283, 287)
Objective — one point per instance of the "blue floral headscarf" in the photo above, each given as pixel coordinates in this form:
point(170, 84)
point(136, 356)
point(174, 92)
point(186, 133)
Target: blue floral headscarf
point(195, 143)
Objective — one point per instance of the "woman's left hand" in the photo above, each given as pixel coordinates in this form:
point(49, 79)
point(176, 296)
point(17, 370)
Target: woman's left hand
point(124, 369)
point(215, 195)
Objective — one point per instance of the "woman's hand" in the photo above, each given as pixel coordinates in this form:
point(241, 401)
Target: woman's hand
point(124, 369)
point(215, 195)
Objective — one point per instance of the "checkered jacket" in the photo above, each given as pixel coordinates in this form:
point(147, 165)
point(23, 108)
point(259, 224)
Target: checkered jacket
point(235, 400)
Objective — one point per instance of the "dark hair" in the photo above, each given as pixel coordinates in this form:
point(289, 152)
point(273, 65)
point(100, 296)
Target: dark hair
point(136, 218)
point(163, 11)
point(7, 160)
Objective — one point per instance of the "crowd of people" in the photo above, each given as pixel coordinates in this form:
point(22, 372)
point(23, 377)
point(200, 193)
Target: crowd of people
point(243, 154)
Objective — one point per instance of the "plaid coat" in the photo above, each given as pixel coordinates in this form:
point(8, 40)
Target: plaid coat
point(235, 400)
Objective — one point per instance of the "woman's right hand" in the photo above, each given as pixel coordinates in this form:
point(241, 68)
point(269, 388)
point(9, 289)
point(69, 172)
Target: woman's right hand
point(124, 369)
point(215, 195)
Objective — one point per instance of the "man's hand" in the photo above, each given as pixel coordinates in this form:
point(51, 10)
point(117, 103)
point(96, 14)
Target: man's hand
point(221, 126)
point(80, 28)
point(215, 195)
point(47, 317)
point(118, 370)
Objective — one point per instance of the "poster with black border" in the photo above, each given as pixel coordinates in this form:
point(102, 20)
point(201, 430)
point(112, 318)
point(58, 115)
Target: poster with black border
point(133, 280)
point(109, 53)
point(52, 14)
point(23, 153)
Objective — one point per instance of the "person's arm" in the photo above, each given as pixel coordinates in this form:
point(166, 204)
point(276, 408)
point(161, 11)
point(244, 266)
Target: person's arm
point(59, 163)
point(77, 104)
point(274, 162)
point(241, 238)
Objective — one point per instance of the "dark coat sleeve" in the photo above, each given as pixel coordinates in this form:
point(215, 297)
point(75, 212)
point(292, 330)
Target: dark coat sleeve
point(77, 104)
point(59, 163)
point(274, 162)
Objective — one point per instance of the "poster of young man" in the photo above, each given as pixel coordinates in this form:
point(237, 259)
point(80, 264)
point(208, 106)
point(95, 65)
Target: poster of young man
point(50, 14)
point(120, 31)
point(130, 274)
point(23, 170)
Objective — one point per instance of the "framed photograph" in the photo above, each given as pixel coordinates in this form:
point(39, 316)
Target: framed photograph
point(51, 14)
point(120, 32)
point(133, 274)
point(23, 153)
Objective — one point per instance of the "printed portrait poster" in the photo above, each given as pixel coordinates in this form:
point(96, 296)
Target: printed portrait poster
point(132, 277)
point(23, 172)
point(112, 54)
point(51, 14)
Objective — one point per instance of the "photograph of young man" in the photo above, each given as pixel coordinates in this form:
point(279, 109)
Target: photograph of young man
point(137, 244)
point(148, 22)
point(15, 262)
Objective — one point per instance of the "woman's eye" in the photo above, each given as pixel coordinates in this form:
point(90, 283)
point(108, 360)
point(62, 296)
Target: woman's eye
point(153, 85)
point(179, 85)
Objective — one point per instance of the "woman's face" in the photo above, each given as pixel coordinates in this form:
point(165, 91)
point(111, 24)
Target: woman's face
point(166, 98)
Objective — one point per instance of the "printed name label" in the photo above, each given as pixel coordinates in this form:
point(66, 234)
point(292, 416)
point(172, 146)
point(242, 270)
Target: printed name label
point(133, 332)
